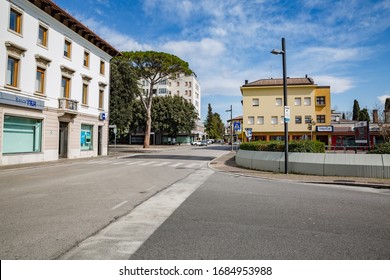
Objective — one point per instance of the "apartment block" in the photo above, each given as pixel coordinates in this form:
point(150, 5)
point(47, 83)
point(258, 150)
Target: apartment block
point(186, 86)
point(310, 109)
point(54, 84)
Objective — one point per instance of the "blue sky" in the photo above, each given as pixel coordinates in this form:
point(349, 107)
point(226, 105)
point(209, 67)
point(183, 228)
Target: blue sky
point(343, 44)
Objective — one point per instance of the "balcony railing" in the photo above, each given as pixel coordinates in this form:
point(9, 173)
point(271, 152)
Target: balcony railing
point(68, 105)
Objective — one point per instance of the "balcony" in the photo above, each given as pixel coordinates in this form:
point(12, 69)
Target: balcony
point(68, 106)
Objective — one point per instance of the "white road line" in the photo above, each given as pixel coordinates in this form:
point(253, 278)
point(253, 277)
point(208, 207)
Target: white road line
point(119, 205)
point(163, 163)
point(148, 163)
point(122, 238)
point(133, 162)
point(191, 165)
point(176, 164)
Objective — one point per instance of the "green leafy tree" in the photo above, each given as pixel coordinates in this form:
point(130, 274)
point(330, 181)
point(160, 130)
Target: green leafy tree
point(387, 105)
point(213, 125)
point(364, 115)
point(355, 110)
point(123, 89)
point(173, 115)
point(154, 67)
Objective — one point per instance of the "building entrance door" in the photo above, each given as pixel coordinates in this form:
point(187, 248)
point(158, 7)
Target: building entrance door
point(63, 141)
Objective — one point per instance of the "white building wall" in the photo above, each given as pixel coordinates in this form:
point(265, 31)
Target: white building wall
point(187, 87)
point(32, 16)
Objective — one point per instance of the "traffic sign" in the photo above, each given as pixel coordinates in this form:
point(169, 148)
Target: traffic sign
point(286, 114)
point(237, 126)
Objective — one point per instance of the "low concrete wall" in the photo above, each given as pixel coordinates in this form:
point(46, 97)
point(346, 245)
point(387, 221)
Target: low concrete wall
point(354, 165)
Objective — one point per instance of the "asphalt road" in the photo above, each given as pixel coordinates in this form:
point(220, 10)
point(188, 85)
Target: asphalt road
point(234, 217)
point(171, 205)
point(46, 210)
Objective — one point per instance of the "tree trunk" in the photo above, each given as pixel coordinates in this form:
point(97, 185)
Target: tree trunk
point(148, 127)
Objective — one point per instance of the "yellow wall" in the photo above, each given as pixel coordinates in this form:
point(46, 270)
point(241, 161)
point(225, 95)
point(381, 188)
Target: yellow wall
point(268, 108)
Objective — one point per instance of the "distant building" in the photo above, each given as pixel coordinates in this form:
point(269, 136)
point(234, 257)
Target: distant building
point(186, 86)
point(263, 109)
point(54, 88)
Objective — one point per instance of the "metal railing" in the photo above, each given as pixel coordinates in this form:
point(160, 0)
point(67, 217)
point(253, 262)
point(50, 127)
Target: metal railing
point(347, 149)
point(68, 104)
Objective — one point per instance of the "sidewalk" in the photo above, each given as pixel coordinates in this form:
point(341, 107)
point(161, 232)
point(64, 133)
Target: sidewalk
point(227, 164)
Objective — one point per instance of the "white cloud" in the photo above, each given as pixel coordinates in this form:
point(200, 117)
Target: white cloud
point(337, 84)
point(383, 98)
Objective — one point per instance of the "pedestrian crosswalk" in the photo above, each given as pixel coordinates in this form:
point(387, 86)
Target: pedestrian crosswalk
point(148, 163)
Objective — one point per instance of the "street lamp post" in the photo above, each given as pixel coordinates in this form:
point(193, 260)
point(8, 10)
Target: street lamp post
point(231, 126)
point(283, 53)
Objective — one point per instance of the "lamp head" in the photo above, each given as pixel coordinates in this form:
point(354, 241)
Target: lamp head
point(276, 52)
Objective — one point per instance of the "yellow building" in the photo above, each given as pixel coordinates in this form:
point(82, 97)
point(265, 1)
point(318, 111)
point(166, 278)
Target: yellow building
point(263, 109)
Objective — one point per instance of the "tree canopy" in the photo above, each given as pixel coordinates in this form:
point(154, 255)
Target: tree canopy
point(123, 90)
point(154, 67)
point(214, 126)
point(355, 110)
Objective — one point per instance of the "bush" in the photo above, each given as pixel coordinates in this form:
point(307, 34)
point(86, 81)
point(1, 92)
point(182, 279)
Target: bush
point(302, 146)
point(381, 149)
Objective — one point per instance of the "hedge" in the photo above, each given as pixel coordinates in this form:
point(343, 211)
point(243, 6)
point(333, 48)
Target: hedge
point(381, 149)
point(301, 146)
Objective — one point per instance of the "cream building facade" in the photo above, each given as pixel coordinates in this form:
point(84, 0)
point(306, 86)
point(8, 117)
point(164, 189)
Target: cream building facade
point(54, 84)
point(263, 109)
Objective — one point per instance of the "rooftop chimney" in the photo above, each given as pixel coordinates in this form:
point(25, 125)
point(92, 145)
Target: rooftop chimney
point(246, 82)
point(375, 116)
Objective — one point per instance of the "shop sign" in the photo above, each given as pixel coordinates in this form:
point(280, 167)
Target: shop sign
point(21, 101)
point(328, 128)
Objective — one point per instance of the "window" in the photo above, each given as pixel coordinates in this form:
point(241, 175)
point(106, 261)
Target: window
point(162, 91)
point(21, 135)
point(297, 101)
point(163, 82)
point(42, 36)
point(65, 89)
point(274, 120)
point(186, 84)
point(251, 120)
point(15, 21)
point(40, 81)
point(307, 119)
point(12, 71)
point(67, 48)
point(255, 102)
point(86, 59)
point(278, 102)
point(178, 84)
point(86, 137)
point(260, 120)
point(298, 119)
point(189, 93)
point(186, 92)
point(101, 98)
point(320, 118)
point(85, 94)
point(178, 92)
point(320, 101)
point(307, 101)
point(189, 84)
point(102, 67)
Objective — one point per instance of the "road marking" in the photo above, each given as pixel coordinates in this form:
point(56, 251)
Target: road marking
point(122, 238)
point(191, 165)
point(176, 164)
point(130, 163)
point(162, 163)
point(148, 163)
point(119, 205)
